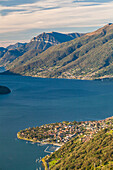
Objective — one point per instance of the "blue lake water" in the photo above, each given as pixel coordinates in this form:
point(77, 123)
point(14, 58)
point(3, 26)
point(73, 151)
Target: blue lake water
point(2, 69)
point(36, 101)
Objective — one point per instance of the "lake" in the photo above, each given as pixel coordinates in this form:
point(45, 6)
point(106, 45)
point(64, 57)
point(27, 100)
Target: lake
point(36, 101)
point(2, 69)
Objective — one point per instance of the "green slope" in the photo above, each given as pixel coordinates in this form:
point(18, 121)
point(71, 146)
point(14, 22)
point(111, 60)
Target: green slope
point(22, 52)
point(86, 57)
point(97, 153)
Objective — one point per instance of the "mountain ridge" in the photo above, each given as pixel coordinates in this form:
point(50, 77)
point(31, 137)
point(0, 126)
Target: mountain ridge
point(89, 56)
point(37, 45)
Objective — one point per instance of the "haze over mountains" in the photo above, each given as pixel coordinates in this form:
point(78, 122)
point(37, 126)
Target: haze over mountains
point(57, 55)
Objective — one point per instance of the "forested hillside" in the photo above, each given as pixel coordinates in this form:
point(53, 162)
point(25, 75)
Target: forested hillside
point(97, 153)
point(22, 52)
point(86, 57)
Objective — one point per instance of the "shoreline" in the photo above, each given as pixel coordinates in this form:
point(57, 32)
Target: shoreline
point(88, 78)
point(53, 143)
point(45, 159)
point(44, 143)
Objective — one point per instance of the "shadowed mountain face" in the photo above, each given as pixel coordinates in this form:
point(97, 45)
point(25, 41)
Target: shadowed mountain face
point(2, 51)
point(55, 38)
point(38, 44)
point(15, 46)
point(4, 90)
point(87, 57)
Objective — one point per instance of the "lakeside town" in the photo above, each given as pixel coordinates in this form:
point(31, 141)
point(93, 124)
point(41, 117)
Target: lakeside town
point(62, 132)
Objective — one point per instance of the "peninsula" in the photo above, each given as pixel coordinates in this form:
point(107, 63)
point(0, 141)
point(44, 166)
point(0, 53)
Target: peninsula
point(91, 148)
point(61, 133)
point(4, 90)
point(84, 145)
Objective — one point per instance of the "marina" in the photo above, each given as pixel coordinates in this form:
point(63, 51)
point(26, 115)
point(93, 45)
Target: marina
point(51, 149)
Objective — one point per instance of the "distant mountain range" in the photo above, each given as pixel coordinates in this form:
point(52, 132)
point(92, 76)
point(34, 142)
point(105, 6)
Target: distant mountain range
point(15, 46)
point(37, 45)
point(56, 55)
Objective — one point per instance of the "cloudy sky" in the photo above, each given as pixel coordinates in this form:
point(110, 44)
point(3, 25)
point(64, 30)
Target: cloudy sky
point(23, 19)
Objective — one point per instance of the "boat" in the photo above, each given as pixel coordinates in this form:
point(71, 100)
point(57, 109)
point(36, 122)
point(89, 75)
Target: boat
point(37, 160)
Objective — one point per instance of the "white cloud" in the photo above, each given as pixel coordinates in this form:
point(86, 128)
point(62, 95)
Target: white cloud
point(3, 0)
point(8, 42)
point(55, 14)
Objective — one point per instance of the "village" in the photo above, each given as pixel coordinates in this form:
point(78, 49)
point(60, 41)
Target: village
point(60, 133)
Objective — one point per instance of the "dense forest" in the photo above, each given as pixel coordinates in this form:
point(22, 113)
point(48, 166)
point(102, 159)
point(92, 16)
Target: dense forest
point(97, 153)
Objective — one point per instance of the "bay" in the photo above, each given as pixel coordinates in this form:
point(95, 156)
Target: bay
point(37, 101)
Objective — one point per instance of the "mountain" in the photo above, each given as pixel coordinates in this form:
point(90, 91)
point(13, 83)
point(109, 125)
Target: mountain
point(9, 56)
point(2, 51)
point(87, 57)
point(26, 51)
point(97, 153)
point(54, 38)
point(15, 46)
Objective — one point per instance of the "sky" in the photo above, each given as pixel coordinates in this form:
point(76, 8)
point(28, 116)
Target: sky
point(21, 20)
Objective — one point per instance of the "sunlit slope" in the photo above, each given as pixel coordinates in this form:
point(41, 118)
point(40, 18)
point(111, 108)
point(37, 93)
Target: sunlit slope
point(22, 52)
point(86, 57)
point(97, 153)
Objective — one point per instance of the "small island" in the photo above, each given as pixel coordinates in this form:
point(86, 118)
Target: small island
point(4, 90)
